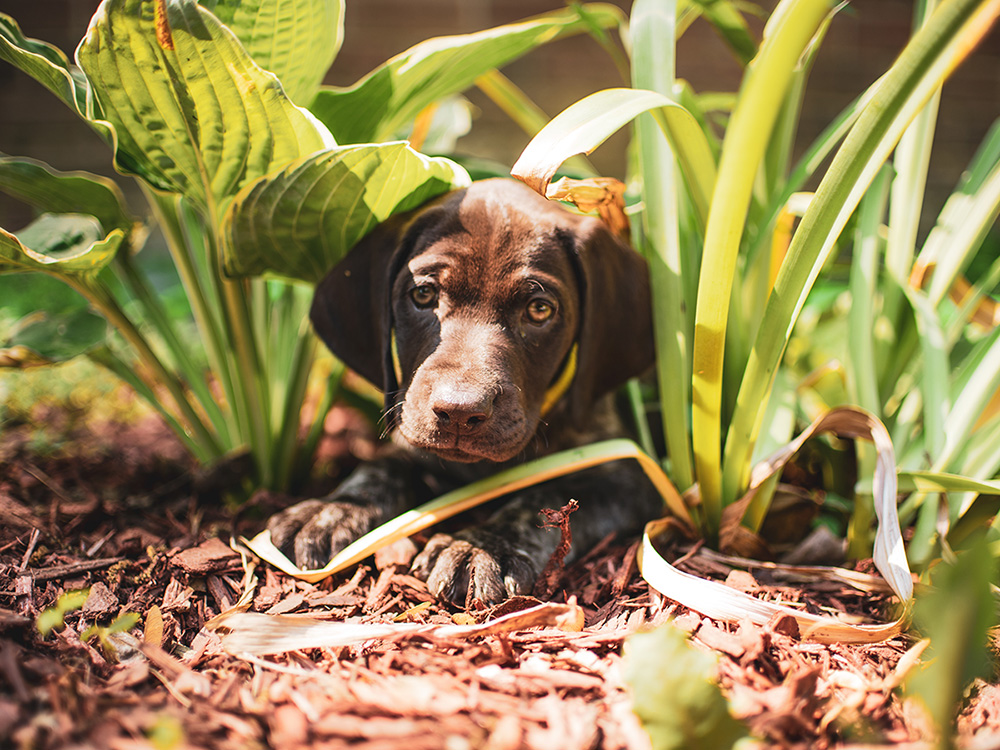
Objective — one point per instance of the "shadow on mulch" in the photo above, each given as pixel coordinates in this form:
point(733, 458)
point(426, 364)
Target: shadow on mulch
point(127, 516)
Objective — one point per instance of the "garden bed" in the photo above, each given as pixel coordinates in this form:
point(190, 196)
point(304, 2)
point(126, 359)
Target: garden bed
point(119, 509)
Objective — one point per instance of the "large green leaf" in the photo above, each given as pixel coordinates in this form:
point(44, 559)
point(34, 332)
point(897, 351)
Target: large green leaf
point(44, 338)
point(58, 192)
point(383, 102)
point(30, 335)
point(299, 222)
point(50, 67)
point(297, 40)
point(69, 246)
point(192, 111)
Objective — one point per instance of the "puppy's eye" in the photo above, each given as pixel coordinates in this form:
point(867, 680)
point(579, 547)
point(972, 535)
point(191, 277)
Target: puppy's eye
point(424, 296)
point(540, 311)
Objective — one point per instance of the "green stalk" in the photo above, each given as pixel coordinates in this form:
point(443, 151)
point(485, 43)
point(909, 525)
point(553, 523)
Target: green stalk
point(250, 383)
point(911, 162)
point(287, 439)
point(653, 69)
point(637, 405)
point(863, 379)
point(902, 92)
point(311, 442)
point(180, 237)
point(804, 169)
point(105, 303)
point(158, 318)
point(789, 31)
point(127, 374)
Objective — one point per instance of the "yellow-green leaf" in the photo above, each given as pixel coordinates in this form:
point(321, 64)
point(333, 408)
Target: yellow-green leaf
point(193, 113)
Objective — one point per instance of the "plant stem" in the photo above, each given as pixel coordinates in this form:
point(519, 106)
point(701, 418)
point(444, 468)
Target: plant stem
point(294, 396)
point(330, 394)
point(169, 213)
point(789, 31)
point(157, 316)
point(106, 304)
point(250, 384)
point(653, 54)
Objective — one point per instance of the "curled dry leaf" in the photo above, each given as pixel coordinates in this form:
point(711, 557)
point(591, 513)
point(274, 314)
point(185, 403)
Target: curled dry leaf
point(718, 601)
point(605, 195)
point(253, 633)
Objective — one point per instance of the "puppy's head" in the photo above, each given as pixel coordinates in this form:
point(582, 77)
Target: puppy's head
point(483, 312)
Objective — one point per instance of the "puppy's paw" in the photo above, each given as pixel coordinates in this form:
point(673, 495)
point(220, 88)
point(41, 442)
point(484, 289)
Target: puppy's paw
point(474, 564)
point(313, 531)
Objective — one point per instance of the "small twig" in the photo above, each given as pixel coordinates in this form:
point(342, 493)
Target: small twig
point(32, 542)
point(624, 574)
point(64, 571)
point(47, 481)
point(546, 583)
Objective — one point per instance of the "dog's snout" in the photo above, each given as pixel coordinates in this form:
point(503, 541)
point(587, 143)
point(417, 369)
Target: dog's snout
point(462, 411)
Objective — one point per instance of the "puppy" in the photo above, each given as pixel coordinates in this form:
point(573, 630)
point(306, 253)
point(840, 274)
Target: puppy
point(498, 325)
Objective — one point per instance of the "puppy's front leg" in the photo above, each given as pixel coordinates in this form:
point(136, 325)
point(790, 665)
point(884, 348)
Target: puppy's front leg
point(313, 531)
point(503, 557)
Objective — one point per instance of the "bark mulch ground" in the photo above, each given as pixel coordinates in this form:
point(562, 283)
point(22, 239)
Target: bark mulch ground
point(126, 515)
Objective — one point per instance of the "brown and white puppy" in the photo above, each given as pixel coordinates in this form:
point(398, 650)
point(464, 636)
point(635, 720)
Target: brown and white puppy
point(498, 325)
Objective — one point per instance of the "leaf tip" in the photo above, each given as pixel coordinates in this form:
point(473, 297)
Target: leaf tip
point(163, 34)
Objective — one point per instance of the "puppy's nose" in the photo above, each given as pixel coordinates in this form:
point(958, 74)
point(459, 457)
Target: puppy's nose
point(461, 411)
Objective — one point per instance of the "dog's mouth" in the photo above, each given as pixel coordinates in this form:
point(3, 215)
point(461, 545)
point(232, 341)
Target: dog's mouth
point(463, 449)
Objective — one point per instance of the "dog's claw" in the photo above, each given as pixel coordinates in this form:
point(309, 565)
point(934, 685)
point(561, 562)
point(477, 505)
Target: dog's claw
point(474, 564)
point(313, 531)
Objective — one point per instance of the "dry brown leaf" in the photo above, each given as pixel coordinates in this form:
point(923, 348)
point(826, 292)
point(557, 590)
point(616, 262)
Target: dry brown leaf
point(152, 630)
point(605, 195)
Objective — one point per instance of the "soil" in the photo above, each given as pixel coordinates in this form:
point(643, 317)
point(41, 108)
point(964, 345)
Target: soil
point(120, 510)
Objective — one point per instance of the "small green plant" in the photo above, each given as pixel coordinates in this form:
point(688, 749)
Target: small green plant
point(675, 693)
point(54, 617)
point(105, 633)
point(260, 180)
point(956, 617)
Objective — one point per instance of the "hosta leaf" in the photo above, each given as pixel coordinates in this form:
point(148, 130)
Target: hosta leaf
point(297, 40)
point(66, 245)
point(44, 338)
point(42, 320)
point(388, 98)
point(299, 222)
point(50, 67)
point(58, 192)
point(192, 111)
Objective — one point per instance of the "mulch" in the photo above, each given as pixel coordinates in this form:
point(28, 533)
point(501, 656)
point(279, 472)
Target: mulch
point(126, 515)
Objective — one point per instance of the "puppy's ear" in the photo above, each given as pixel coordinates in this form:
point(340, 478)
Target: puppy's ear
point(616, 327)
point(350, 308)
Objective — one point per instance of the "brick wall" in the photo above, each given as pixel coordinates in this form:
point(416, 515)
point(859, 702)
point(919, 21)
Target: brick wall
point(862, 42)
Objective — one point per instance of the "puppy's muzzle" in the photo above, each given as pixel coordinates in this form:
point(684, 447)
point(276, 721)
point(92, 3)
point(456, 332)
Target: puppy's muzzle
point(461, 411)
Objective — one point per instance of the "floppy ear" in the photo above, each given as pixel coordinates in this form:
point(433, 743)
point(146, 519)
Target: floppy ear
point(616, 327)
point(350, 309)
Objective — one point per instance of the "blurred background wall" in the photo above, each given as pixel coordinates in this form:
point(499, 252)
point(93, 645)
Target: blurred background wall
point(863, 41)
